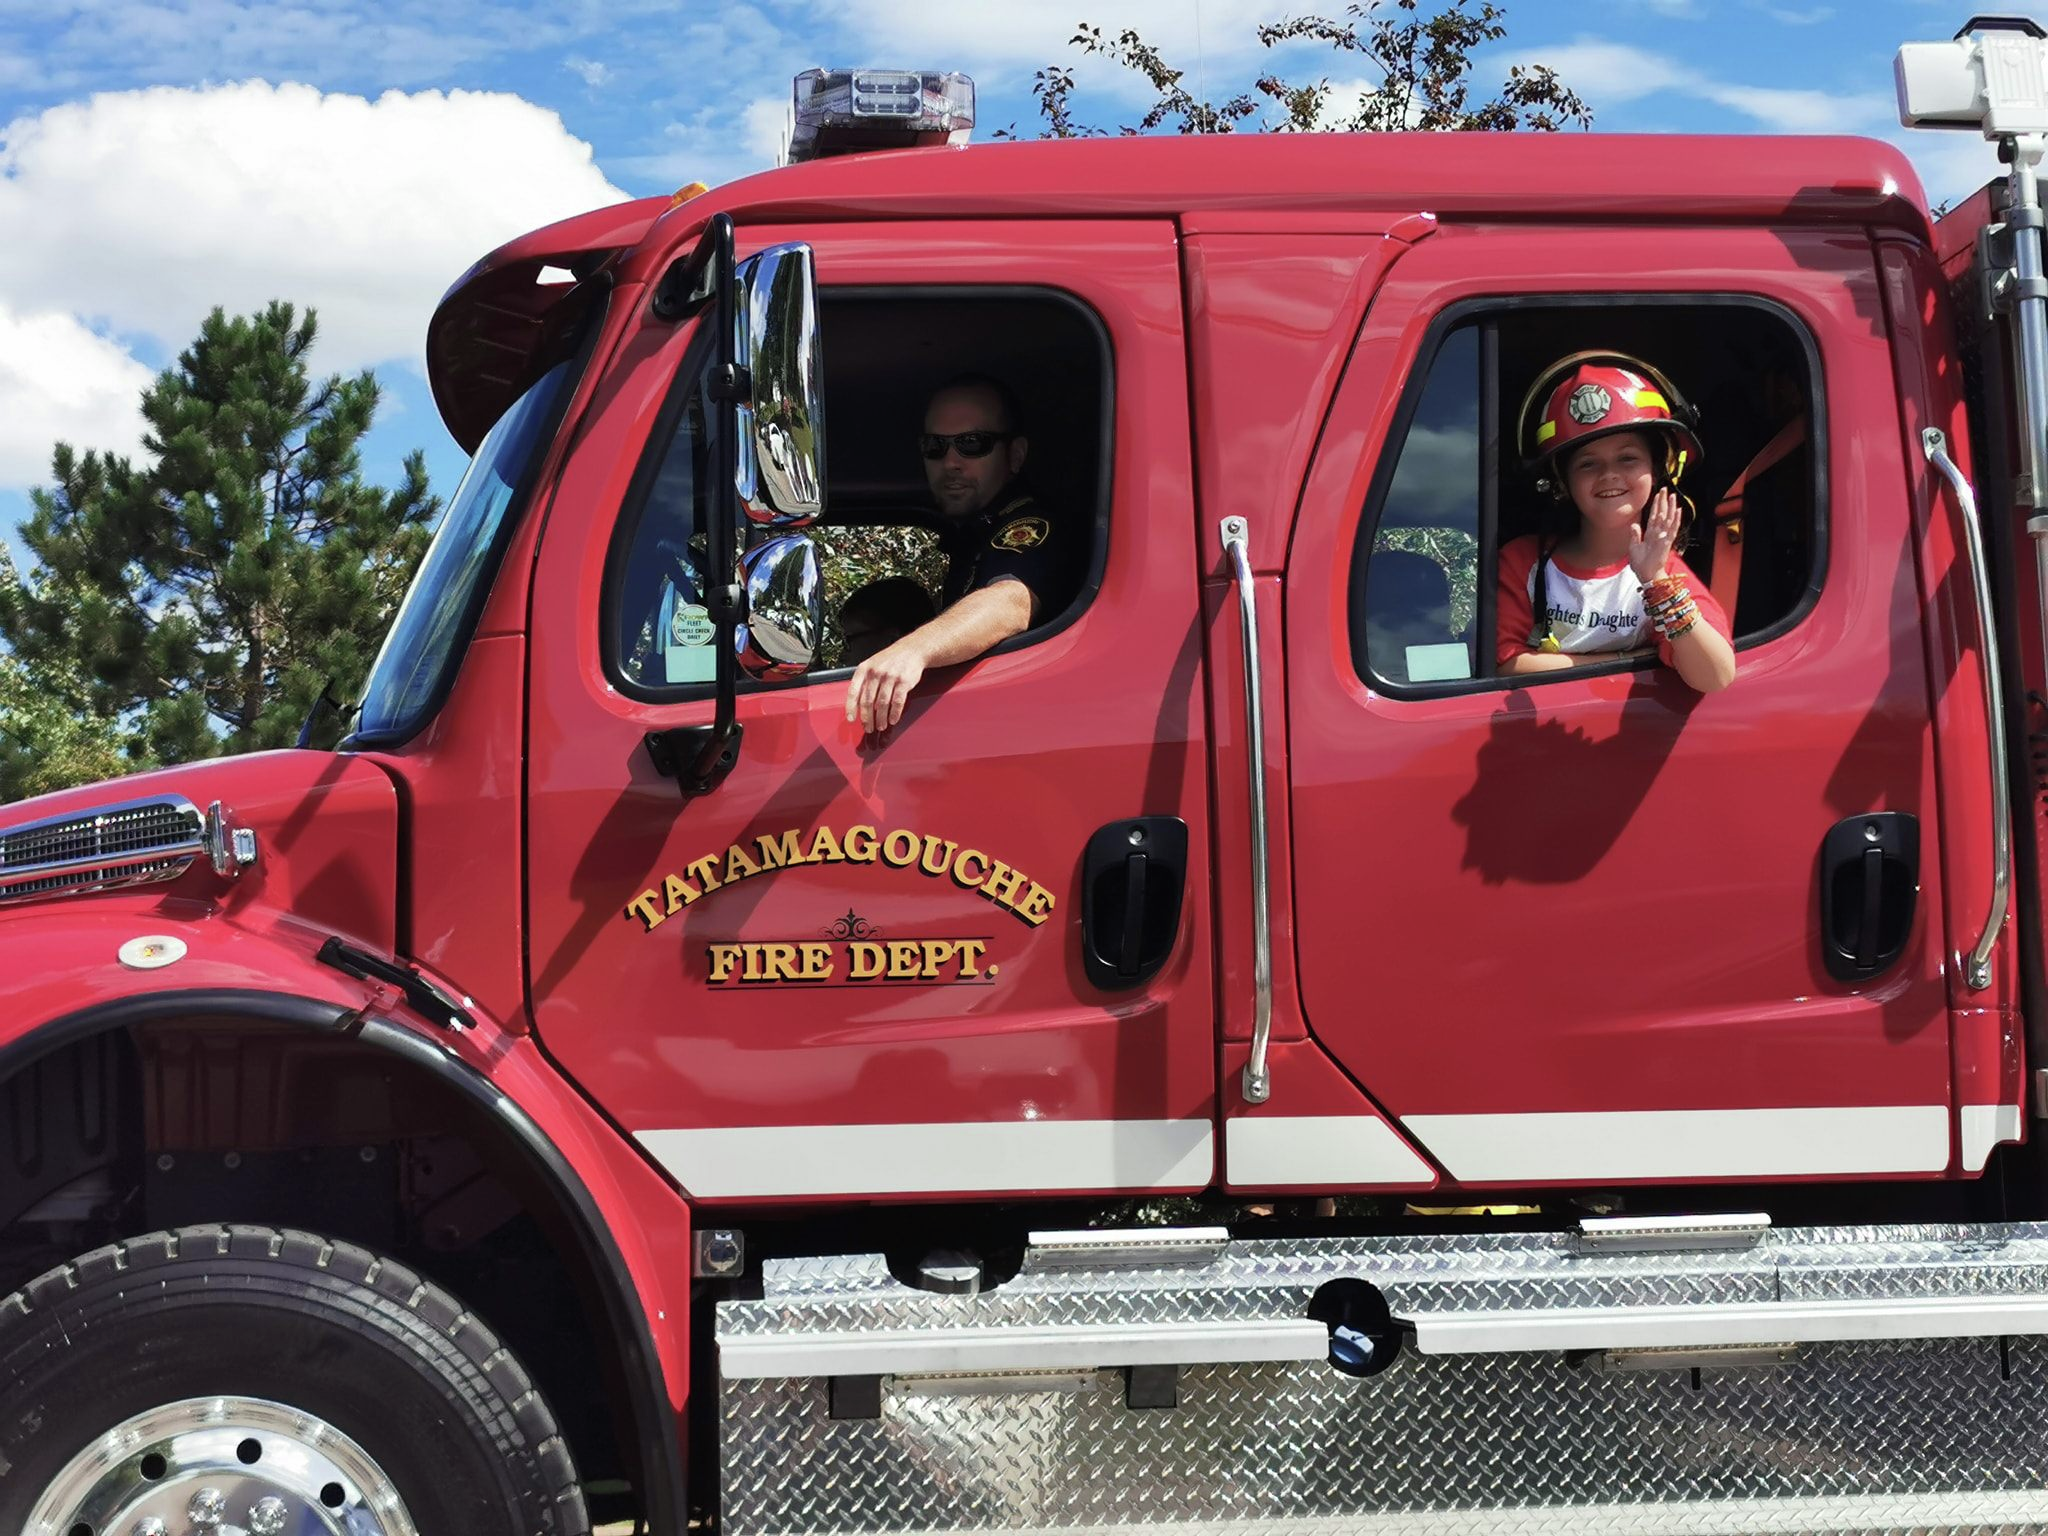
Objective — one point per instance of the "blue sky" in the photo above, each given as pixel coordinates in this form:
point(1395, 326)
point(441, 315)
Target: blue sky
point(157, 159)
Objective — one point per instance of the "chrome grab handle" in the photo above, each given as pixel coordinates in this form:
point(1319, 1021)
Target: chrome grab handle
point(1935, 445)
point(1258, 1081)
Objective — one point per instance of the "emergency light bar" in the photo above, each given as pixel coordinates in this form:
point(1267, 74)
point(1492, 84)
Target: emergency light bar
point(843, 111)
point(1995, 81)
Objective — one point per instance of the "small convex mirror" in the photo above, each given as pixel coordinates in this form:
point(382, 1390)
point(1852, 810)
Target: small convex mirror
point(785, 609)
point(780, 469)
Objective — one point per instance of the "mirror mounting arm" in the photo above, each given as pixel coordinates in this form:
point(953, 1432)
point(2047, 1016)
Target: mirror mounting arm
point(767, 469)
point(698, 757)
point(730, 384)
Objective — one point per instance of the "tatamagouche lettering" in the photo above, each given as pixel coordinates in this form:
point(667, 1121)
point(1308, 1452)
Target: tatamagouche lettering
point(939, 858)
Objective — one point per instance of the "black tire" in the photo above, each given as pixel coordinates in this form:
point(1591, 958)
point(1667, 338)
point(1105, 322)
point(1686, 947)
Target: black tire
point(325, 1327)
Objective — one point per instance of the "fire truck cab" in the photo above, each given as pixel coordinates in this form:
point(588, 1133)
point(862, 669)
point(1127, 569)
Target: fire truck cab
point(1231, 1052)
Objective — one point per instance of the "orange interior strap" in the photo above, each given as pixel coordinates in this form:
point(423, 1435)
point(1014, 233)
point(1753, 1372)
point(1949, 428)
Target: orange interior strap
point(1728, 515)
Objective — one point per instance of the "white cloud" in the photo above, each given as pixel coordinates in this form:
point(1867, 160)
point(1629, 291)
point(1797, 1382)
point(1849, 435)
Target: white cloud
point(937, 33)
point(1781, 110)
point(1215, 43)
point(150, 207)
point(153, 206)
point(766, 123)
point(1344, 100)
point(589, 71)
point(1951, 165)
point(60, 382)
point(1809, 18)
point(1607, 74)
point(393, 42)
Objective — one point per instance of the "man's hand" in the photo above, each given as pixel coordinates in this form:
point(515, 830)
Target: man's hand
point(881, 685)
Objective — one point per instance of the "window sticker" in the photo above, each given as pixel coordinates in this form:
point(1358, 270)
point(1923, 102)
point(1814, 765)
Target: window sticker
point(691, 625)
point(1438, 663)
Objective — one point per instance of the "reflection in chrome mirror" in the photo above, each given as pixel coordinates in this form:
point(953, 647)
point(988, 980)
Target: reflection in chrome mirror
point(782, 423)
point(785, 609)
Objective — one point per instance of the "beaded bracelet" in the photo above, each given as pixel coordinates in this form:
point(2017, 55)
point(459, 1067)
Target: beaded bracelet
point(1660, 589)
point(1678, 591)
point(1672, 625)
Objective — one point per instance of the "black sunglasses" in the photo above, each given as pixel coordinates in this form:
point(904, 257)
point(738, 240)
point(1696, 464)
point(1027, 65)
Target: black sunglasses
point(971, 445)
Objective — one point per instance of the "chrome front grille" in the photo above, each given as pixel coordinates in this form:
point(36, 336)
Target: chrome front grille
point(135, 842)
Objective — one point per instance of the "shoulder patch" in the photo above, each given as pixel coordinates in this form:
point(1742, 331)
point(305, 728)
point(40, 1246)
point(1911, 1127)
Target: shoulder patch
point(1021, 533)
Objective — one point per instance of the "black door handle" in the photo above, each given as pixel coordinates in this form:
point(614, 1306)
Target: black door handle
point(1127, 960)
point(1132, 877)
point(1869, 887)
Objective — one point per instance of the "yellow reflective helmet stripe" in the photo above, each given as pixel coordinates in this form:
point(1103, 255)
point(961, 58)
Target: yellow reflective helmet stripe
point(1545, 431)
point(1651, 397)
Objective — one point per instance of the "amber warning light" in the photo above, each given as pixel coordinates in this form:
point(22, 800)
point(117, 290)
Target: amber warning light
point(845, 111)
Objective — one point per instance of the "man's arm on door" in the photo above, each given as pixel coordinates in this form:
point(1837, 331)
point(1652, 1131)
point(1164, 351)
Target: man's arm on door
point(983, 618)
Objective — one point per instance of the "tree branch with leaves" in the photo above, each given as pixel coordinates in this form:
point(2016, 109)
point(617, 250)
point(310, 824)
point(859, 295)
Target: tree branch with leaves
point(1422, 65)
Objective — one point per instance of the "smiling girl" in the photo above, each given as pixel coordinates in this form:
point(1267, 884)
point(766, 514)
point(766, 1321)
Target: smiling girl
point(1609, 444)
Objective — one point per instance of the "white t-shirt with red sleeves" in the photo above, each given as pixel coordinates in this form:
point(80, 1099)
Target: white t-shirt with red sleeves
point(1591, 609)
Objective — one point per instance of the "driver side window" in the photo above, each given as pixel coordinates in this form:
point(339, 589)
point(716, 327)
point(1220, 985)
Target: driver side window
point(882, 566)
point(662, 631)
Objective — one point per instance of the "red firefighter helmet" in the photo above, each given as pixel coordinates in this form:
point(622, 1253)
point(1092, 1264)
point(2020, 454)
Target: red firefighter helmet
point(1592, 394)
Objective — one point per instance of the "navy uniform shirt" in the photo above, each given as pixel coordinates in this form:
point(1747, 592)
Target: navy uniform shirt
point(1013, 540)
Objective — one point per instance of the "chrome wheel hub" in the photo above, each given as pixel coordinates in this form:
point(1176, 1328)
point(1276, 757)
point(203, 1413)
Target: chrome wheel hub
point(221, 1466)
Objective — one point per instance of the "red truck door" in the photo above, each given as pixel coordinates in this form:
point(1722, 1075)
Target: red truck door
point(860, 969)
point(1568, 929)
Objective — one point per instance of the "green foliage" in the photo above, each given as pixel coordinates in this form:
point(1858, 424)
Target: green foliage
point(49, 737)
point(200, 598)
point(851, 557)
point(1423, 65)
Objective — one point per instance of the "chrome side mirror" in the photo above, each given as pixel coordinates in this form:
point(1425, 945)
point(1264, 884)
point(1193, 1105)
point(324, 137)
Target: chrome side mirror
point(785, 609)
point(779, 474)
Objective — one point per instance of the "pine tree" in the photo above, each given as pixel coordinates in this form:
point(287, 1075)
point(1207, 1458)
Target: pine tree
point(49, 736)
point(203, 596)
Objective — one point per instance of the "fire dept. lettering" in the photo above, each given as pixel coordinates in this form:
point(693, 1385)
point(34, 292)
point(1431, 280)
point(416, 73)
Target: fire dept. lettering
point(945, 961)
point(937, 858)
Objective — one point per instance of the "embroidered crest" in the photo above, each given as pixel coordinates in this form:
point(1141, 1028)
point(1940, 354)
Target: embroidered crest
point(1589, 402)
point(1021, 533)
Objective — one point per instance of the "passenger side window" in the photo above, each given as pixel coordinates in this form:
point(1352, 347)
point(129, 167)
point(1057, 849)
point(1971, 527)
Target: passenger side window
point(1419, 574)
point(1458, 489)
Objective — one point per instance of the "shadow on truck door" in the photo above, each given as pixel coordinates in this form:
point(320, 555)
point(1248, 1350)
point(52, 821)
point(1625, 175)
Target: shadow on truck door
point(1599, 894)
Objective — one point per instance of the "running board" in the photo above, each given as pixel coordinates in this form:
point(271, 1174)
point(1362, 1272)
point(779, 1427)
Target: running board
point(1784, 1322)
point(1871, 1379)
point(1085, 1346)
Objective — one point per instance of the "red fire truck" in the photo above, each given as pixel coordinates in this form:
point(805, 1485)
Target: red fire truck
point(1229, 1054)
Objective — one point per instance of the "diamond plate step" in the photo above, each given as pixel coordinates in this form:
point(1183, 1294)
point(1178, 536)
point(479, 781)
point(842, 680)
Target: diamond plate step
point(1851, 1435)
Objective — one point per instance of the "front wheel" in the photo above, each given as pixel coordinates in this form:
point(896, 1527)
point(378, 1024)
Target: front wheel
point(271, 1381)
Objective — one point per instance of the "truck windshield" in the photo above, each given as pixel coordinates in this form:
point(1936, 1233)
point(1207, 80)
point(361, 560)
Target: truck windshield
point(413, 671)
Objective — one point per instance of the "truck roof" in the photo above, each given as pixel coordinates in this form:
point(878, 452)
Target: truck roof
point(1582, 175)
point(491, 317)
